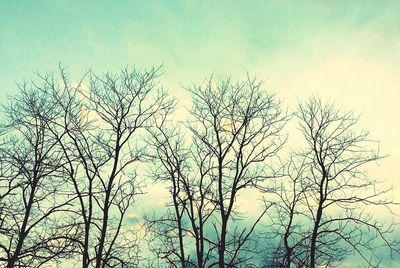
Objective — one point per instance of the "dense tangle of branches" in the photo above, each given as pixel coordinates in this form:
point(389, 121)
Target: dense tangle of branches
point(75, 156)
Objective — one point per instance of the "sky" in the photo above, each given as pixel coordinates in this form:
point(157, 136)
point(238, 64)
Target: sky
point(344, 51)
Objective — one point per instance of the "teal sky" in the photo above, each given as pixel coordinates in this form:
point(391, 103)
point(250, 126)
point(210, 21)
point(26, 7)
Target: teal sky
point(346, 51)
point(192, 39)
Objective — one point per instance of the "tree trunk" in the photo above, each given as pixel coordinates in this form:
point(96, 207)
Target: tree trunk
point(22, 234)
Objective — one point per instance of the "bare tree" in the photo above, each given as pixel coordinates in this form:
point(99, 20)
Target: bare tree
point(169, 229)
point(32, 234)
point(103, 124)
point(235, 129)
point(88, 137)
point(287, 220)
point(190, 187)
point(335, 194)
point(239, 125)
